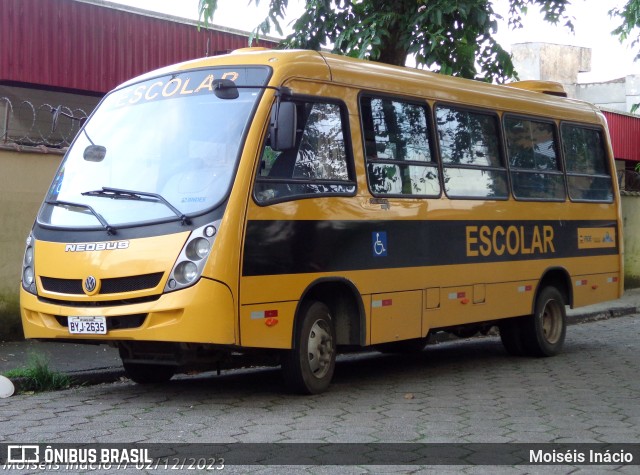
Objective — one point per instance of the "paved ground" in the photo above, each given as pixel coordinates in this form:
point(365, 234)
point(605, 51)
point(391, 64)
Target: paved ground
point(462, 392)
point(91, 363)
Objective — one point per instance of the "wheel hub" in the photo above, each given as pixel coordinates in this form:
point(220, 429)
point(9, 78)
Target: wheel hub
point(551, 322)
point(320, 349)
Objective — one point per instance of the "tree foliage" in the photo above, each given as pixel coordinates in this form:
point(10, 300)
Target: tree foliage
point(629, 28)
point(453, 37)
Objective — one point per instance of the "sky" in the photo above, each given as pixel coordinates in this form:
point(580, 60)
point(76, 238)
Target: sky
point(610, 59)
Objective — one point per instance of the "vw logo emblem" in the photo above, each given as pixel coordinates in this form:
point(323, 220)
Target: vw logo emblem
point(90, 284)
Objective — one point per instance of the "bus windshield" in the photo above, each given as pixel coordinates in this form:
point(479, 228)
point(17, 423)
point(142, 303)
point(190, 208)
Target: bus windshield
point(170, 142)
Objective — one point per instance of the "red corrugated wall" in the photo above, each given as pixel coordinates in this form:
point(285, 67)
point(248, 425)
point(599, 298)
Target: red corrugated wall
point(625, 135)
point(79, 46)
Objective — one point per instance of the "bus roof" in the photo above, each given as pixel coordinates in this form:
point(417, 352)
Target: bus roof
point(530, 97)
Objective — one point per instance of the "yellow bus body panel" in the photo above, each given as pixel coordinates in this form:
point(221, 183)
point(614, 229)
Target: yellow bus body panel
point(141, 256)
point(228, 308)
point(185, 315)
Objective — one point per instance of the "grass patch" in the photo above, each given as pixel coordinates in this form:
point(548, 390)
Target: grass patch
point(10, 323)
point(37, 376)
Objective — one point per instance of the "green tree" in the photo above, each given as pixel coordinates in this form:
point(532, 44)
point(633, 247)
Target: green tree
point(453, 37)
point(629, 28)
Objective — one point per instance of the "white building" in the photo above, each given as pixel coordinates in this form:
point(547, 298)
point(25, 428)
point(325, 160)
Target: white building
point(563, 63)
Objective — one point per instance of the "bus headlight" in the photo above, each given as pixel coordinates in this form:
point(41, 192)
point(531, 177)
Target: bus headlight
point(27, 276)
point(190, 263)
point(28, 256)
point(186, 272)
point(28, 272)
point(198, 249)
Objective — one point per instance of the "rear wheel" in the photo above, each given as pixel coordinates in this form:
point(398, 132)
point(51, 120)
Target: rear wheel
point(309, 366)
point(540, 334)
point(143, 373)
point(545, 330)
point(511, 335)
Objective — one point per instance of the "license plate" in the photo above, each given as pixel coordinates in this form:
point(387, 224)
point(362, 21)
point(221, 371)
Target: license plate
point(87, 325)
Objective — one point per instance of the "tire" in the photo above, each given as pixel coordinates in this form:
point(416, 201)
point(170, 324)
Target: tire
point(544, 331)
point(511, 335)
point(308, 367)
point(142, 373)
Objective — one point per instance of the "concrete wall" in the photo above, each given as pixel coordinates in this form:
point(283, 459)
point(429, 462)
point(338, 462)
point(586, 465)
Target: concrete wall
point(551, 62)
point(25, 177)
point(630, 226)
point(610, 95)
point(632, 90)
point(619, 94)
point(563, 63)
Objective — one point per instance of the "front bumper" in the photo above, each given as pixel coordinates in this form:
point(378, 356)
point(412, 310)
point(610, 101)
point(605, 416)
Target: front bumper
point(203, 313)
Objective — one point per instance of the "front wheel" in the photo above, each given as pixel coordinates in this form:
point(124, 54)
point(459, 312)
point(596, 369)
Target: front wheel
point(308, 367)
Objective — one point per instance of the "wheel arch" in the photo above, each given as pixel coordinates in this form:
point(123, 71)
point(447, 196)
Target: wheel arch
point(346, 306)
point(559, 278)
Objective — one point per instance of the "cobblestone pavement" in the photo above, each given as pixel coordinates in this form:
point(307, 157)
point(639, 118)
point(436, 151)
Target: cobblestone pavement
point(468, 391)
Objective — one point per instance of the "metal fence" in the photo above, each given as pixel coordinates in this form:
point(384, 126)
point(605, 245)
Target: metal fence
point(26, 123)
point(629, 180)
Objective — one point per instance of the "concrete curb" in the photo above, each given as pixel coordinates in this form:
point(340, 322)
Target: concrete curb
point(605, 314)
point(92, 377)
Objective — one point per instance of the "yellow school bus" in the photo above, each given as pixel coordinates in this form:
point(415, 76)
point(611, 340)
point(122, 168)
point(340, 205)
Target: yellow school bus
point(282, 206)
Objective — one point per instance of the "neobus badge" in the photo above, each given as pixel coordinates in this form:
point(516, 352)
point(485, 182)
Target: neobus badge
point(96, 246)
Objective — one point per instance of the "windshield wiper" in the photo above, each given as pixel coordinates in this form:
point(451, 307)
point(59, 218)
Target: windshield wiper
point(68, 204)
point(119, 194)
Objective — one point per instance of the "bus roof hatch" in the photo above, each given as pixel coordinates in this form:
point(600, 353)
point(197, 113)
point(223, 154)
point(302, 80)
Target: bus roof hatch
point(546, 87)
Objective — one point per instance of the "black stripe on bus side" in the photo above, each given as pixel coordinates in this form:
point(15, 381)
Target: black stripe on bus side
point(300, 246)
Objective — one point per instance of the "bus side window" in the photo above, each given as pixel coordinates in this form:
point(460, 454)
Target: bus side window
point(469, 148)
point(534, 160)
point(397, 148)
point(588, 176)
point(318, 164)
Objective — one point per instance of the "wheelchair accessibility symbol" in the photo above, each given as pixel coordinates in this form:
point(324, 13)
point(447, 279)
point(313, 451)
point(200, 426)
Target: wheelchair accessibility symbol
point(379, 243)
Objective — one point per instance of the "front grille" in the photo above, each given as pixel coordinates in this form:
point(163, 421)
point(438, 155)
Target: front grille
point(99, 303)
point(130, 284)
point(115, 323)
point(108, 286)
point(62, 286)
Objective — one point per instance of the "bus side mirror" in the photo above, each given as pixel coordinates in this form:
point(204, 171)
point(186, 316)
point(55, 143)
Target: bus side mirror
point(283, 126)
point(225, 89)
point(94, 153)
